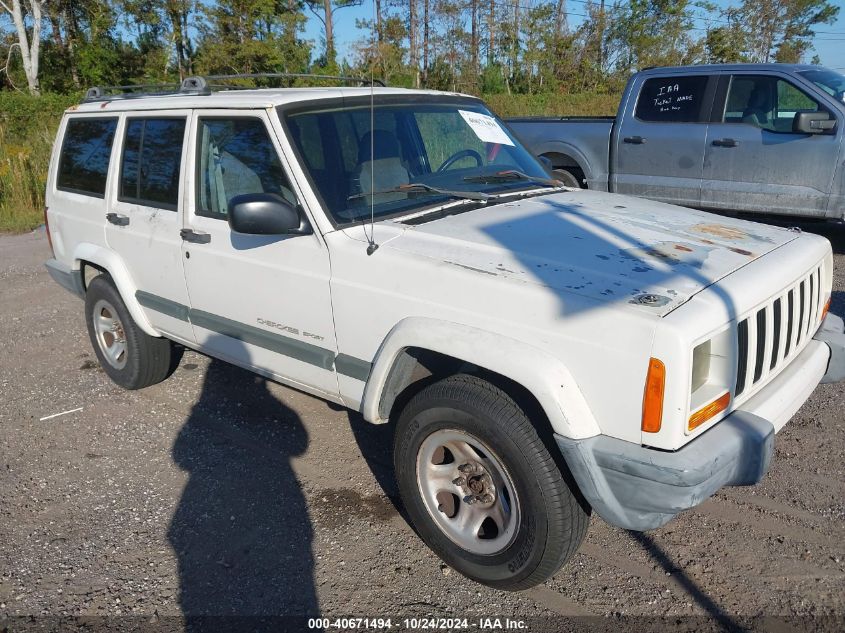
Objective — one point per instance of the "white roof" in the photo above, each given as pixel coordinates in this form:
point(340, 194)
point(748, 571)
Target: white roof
point(257, 98)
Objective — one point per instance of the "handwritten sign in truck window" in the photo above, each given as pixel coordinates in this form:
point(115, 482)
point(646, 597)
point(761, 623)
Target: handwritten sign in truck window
point(671, 99)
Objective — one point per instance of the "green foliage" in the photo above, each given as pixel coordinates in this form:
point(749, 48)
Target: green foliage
point(27, 129)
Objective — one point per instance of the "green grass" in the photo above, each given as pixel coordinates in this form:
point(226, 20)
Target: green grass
point(28, 127)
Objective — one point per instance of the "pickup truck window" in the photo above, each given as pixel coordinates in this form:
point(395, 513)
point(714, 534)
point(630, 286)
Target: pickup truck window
point(831, 82)
point(672, 99)
point(355, 158)
point(86, 151)
point(152, 160)
point(235, 156)
point(766, 102)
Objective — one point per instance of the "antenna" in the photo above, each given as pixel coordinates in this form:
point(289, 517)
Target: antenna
point(371, 238)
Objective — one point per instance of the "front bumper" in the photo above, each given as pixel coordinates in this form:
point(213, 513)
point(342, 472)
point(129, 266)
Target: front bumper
point(640, 488)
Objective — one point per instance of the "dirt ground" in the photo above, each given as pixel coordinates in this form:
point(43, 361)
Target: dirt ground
point(218, 493)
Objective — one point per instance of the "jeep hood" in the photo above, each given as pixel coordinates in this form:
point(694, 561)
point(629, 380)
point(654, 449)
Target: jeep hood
point(610, 248)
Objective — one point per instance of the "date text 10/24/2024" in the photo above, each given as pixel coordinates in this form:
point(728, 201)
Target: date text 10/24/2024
point(419, 624)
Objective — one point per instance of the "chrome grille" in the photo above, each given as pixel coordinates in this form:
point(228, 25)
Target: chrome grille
point(769, 337)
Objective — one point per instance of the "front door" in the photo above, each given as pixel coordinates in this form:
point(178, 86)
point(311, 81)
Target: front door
point(259, 301)
point(145, 215)
point(756, 162)
point(659, 148)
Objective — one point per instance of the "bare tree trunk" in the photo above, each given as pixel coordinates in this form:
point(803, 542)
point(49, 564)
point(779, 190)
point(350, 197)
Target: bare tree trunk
point(412, 41)
point(491, 33)
point(560, 17)
point(426, 5)
point(515, 44)
point(29, 47)
point(378, 22)
point(327, 8)
point(474, 38)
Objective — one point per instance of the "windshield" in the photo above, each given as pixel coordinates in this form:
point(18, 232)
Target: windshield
point(828, 80)
point(403, 157)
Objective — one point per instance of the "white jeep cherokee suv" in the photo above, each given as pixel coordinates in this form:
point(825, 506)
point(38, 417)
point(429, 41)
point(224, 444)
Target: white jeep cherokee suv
point(542, 351)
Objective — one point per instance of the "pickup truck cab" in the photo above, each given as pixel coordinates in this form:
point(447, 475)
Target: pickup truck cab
point(541, 351)
point(760, 138)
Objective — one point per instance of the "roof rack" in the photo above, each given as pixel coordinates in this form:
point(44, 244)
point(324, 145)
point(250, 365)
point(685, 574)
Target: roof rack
point(203, 85)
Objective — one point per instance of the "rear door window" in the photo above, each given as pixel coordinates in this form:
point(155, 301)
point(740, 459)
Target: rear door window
point(152, 158)
point(672, 99)
point(85, 155)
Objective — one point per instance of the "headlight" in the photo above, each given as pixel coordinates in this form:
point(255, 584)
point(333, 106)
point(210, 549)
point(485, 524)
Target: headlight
point(710, 379)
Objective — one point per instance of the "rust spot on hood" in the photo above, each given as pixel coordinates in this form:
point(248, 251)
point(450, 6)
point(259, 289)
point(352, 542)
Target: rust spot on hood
point(720, 230)
point(741, 251)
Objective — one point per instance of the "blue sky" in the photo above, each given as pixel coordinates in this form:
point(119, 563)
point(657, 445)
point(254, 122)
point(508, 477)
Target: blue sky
point(830, 45)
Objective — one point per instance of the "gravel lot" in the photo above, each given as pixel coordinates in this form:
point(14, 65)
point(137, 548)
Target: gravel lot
point(218, 493)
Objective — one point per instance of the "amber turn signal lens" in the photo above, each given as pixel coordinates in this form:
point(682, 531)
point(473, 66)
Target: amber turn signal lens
point(825, 309)
point(655, 384)
point(707, 412)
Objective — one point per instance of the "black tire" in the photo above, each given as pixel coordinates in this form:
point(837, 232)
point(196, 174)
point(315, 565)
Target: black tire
point(551, 522)
point(146, 360)
point(568, 177)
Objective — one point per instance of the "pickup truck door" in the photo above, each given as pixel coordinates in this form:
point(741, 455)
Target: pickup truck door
point(145, 213)
point(260, 301)
point(658, 148)
point(756, 162)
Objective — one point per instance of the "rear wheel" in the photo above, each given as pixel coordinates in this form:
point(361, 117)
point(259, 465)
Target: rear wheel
point(131, 357)
point(481, 488)
point(567, 176)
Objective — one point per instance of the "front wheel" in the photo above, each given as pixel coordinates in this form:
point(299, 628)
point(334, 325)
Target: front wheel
point(481, 488)
point(131, 358)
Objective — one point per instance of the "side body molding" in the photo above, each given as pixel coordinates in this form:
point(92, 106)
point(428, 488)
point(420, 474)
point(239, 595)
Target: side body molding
point(110, 261)
point(539, 372)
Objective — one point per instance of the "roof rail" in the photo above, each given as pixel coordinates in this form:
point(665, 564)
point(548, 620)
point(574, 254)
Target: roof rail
point(364, 81)
point(202, 85)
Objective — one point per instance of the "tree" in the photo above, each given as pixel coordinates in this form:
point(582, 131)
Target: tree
point(782, 30)
point(324, 10)
point(28, 40)
point(252, 36)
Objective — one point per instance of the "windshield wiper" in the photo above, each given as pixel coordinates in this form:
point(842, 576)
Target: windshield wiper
point(418, 187)
point(511, 175)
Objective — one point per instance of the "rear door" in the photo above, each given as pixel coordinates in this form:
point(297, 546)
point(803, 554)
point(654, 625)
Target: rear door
point(658, 149)
point(145, 215)
point(257, 300)
point(754, 160)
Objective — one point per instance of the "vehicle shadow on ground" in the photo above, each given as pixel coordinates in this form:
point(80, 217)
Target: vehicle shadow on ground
point(662, 558)
point(241, 530)
point(375, 443)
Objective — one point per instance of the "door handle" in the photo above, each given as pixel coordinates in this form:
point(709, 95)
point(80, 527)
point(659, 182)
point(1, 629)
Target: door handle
point(725, 142)
point(197, 237)
point(117, 219)
point(634, 140)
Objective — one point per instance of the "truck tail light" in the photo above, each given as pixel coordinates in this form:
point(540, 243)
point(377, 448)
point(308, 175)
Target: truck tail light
point(655, 384)
point(47, 230)
point(707, 412)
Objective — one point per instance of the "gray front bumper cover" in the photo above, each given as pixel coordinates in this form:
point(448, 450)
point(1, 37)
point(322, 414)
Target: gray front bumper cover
point(832, 332)
point(639, 488)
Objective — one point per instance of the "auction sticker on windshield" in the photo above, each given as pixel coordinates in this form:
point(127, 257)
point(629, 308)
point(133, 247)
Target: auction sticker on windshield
point(486, 128)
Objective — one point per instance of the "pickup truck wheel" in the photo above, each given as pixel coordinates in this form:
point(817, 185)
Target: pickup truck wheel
point(481, 488)
point(567, 177)
point(130, 357)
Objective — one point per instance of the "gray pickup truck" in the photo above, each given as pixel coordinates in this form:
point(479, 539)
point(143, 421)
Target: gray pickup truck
point(760, 138)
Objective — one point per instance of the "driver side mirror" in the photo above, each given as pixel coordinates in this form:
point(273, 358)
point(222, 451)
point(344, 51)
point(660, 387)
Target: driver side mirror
point(813, 122)
point(265, 214)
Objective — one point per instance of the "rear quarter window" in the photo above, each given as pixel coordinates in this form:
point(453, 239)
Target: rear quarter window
point(85, 155)
point(672, 99)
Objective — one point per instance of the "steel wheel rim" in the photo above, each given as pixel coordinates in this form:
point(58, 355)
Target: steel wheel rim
point(473, 473)
point(109, 332)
